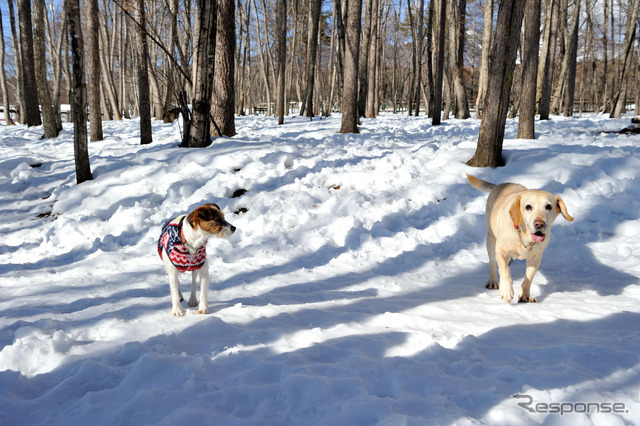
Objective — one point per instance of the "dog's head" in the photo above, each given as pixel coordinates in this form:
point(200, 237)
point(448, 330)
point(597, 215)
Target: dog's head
point(210, 219)
point(536, 210)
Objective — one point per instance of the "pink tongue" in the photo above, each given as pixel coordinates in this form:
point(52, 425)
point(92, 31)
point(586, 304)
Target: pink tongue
point(537, 238)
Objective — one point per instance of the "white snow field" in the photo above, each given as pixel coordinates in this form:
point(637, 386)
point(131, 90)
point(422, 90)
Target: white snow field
point(352, 292)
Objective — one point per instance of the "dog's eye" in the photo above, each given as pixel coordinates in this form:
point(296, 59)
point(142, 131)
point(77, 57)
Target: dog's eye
point(548, 207)
point(528, 207)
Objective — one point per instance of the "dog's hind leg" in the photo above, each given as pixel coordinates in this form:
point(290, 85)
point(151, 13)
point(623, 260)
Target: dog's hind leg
point(193, 301)
point(203, 307)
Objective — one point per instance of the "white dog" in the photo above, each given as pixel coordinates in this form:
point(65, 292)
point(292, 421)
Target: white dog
point(518, 224)
point(182, 248)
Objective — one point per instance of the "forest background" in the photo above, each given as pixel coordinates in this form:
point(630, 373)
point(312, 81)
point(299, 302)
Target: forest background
point(212, 60)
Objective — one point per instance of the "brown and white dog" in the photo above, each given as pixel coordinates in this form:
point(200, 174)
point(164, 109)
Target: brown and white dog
point(182, 248)
point(518, 224)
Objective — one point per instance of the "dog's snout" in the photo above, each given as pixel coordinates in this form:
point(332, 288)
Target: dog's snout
point(539, 223)
point(233, 228)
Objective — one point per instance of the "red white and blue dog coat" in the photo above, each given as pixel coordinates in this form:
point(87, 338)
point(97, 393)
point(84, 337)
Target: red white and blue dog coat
point(172, 240)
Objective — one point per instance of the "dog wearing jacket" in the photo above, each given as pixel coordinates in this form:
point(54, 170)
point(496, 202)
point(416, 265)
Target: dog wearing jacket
point(182, 248)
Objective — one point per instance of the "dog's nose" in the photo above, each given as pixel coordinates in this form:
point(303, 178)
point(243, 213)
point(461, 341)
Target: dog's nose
point(539, 223)
point(233, 229)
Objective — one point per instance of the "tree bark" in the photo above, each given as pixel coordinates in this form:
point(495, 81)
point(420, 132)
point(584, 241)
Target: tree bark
point(526, 125)
point(224, 99)
point(440, 53)
point(484, 61)
point(501, 65)
point(143, 77)
point(3, 80)
point(18, 62)
point(548, 57)
point(281, 54)
point(199, 132)
point(350, 113)
point(364, 58)
point(78, 89)
point(29, 85)
point(572, 55)
point(370, 110)
point(456, 40)
point(93, 69)
point(312, 50)
point(627, 67)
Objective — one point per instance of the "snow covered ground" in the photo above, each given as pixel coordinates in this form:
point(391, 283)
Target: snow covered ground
point(351, 293)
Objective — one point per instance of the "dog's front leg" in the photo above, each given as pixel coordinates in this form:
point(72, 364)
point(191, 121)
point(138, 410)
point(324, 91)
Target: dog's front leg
point(506, 283)
point(203, 307)
point(493, 272)
point(532, 267)
point(193, 301)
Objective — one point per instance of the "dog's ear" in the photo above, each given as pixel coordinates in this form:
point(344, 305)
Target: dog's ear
point(514, 212)
point(562, 209)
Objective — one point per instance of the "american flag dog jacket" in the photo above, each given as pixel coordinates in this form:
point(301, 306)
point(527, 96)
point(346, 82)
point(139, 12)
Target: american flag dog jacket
point(172, 240)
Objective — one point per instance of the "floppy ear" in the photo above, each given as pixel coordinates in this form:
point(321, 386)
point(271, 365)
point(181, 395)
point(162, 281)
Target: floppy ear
point(562, 209)
point(514, 212)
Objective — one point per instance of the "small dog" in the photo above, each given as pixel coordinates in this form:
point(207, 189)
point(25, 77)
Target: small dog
point(182, 248)
point(518, 224)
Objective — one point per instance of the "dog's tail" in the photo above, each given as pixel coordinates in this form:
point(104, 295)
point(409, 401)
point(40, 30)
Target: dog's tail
point(480, 184)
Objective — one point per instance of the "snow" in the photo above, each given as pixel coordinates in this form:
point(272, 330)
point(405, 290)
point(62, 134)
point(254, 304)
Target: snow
point(351, 293)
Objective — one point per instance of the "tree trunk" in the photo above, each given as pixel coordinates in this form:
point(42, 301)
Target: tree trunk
point(30, 88)
point(418, 53)
point(440, 53)
point(627, 67)
point(456, 40)
point(312, 50)
point(281, 57)
point(350, 112)
point(364, 57)
point(93, 69)
point(370, 110)
point(484, 61)
point(224, 100)
point(548, 56)
point(526, 125)
point(78, 89)
point(143, 77)
point(18, 62)
point(496, 105)
point(204, 51)
point(572, 59)
point(3, 80)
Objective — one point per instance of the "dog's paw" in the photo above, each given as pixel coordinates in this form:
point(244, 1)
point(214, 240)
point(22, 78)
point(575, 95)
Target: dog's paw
point(203, 310)
point(193, 303)
point(177, 311)
point(493, 285)
point(506, 292)
point(527, 299)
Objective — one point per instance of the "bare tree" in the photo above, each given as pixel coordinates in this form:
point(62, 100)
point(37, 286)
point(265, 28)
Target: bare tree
point(312, 50)
point(501, 64)
point(29, 85)
point(3, 79)
point(440, 54)
point(224, 99)
point(547, 58)
point(144, 103)
point(526, 125)
point(456, 43)
point(93, 69)
point(627, 67)
point(18, 62)
point(79, 95)
point(281, 27)
point(350, 112)
point(198, 128)
point(484, 59)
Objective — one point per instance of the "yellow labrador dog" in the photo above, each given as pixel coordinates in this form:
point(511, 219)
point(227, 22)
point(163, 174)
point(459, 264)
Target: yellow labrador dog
point(518, 227)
